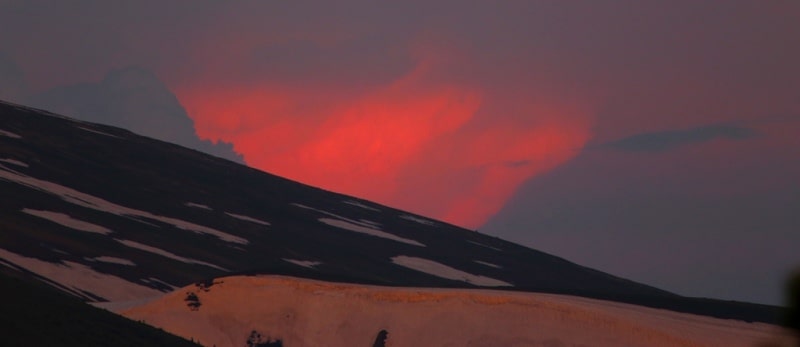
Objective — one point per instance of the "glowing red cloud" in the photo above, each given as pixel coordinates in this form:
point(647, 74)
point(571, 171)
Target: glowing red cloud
point(486, 167)
point(417, 143)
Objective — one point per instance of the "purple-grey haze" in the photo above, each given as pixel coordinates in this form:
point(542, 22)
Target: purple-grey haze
point(655, 140)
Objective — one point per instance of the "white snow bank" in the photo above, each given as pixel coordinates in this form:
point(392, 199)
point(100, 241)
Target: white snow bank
point(116, 306)
point(166, 254)
point(418, 220)
point(482, 245)
point(440, 270)
point(313, 313)
point(358, 204)
point(488, 264)
point(365, 224)
point(369, 223)
point(200, 206)
point(89, 201)
point(67, 221)
point(368, 231)
point(97, 132)
point(79, 278)
point(58, 251)
point(248, 219)
point(9, 134)
point(14, 162)
point(304, 263)
point(358, 226)
point(156, 280)
point(112, 260)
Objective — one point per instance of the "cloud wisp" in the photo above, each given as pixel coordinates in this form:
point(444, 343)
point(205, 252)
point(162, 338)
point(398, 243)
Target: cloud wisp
point(660, 141)
point(134, 99)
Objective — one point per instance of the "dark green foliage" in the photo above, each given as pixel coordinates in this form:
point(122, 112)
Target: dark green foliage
point(192, 301)
point(206, 284)
point(33, 314)
point(257, 340)
point(380, 340)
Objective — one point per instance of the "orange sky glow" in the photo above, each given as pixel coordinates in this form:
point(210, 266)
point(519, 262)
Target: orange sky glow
point(419, 142)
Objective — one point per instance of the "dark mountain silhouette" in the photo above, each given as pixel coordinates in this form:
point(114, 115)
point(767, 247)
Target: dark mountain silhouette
point(107, 215)
point(35, 314)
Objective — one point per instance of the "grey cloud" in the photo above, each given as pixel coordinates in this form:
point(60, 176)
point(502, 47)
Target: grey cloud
point(12, 80)
point(368, 60)
point(134, 99)
point(660, 141)
point(705, 233)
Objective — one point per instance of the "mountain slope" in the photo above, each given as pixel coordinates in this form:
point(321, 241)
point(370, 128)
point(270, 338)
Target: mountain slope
point(298, 312)
point(105, 214)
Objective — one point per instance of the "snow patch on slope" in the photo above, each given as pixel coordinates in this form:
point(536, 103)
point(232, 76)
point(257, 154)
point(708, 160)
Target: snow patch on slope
point(9, 134)
point(200, 206)
point(357, 226)
point(166, 254)
point(56, 250)
point(365, 224)
point(156, 280)
point(79, 278)
point(418, 220)
point(112, 260)
point(369, 223)
point(304, 263)
point(67, 221)
point(89, 201)
point(117, 306)
point(248, 219)
point(358, 204)
point(14, 162)
point(440, 270)
point(485, 246)
point(304, 313)
point(97, 132)
point(488, 264)
point(368, 231)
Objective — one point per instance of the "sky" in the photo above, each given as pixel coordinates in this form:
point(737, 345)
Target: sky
point(655, 140)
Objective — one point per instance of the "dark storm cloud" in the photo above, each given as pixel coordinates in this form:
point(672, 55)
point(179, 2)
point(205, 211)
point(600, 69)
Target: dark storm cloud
point(670, 139)
point(134, 99)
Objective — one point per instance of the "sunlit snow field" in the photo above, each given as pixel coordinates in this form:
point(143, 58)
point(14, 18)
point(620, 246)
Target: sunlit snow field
point(302, 312)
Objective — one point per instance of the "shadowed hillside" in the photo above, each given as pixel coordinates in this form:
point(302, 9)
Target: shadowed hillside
point(108, 215)
point(33, 314)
